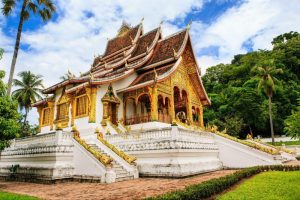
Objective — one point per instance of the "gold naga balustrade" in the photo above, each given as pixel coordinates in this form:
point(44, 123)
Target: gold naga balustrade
point(122, 154)
point(105, 160)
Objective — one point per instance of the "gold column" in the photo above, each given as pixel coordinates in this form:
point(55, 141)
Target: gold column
point(154, 106)
point(117, 112)
point(172, 105)
point(51, 105)
point(40, 111)
point(73, 111)
point(189, 104)
point(201, 117)
point(105, 113)
point(92, 114)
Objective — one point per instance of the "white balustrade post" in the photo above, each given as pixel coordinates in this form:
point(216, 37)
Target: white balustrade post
point(174, 132)
point(58, 136)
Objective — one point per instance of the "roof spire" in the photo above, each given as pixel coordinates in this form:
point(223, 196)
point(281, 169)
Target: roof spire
point(189, 25)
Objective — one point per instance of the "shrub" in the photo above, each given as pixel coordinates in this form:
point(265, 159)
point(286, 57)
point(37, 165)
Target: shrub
point(214, 186)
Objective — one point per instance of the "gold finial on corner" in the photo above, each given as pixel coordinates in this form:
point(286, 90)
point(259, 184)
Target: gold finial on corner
point(126, 64)
point(131, 40)
point(174, 53)
point(155, 75)
point(189, 25)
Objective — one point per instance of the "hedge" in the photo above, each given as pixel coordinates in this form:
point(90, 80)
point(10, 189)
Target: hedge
point(214, 186)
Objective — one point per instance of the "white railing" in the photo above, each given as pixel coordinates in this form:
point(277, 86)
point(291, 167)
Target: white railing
point(52, 138)
point(168, 133)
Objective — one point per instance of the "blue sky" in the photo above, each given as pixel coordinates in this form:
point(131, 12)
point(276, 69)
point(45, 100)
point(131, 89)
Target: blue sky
point(80, 28)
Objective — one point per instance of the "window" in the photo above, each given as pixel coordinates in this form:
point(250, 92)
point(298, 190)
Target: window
point(46, 116)
point(62, 111)
point(81, 105)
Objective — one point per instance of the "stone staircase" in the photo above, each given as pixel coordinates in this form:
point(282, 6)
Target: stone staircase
point(121, 173)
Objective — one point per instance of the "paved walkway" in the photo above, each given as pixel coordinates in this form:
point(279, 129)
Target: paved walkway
point(132, 189)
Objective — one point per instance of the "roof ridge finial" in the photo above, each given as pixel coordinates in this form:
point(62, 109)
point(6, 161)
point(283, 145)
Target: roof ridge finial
point(161, 23)
point(142, 20)
point(155, 75)
point(189, 25)
point(174, 53)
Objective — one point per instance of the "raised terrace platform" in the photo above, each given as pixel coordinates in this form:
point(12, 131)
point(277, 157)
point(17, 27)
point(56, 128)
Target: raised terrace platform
point(169, 151)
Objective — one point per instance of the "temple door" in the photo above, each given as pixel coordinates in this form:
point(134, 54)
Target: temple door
point(113, 108)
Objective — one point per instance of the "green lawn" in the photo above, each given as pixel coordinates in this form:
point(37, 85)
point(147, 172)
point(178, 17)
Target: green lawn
point(286, 143)
point(11, 196)
point(267, 186)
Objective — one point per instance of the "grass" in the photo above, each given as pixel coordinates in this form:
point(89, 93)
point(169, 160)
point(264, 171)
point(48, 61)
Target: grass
point(12, 196)
point(287, 143)
point(274, 185)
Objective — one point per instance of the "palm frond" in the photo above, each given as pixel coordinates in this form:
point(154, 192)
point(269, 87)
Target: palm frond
point(32, 7)
point(8, 6)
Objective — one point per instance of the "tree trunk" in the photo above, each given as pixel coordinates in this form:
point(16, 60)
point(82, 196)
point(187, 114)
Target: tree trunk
point(271, 120)
point(25, 118)
point(16, 50)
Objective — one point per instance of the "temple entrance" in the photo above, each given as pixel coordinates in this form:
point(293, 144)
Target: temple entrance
point(112, 113)
point(180, 104)
point(110, 107)
point(143, 109)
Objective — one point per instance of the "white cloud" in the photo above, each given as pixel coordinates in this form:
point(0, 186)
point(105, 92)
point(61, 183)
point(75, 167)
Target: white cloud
point(256, 20)
point(81, 31)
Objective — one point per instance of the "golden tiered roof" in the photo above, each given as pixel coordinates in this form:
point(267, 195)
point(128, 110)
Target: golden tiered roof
point(133, 51)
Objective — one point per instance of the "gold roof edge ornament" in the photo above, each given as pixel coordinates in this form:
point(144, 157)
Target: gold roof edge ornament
point(155, 75)
point(174, 53)
point(132, 41)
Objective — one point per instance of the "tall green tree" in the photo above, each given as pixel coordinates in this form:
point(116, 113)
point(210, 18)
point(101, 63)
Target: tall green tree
point(29, 89)
point(266, 72)
point(9, 116)
point(43, 8)
point(292, 123)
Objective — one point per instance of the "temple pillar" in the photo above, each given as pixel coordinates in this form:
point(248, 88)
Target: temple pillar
point(105, 113)
point(201, 117)
point(154, 104)
point(73, 110)
point(40, 111)
point(51, 117)
point(92, 113)
point(189, 105)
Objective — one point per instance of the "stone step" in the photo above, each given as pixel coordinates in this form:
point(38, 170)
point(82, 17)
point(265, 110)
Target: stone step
point(121, 173)
point(124, 178)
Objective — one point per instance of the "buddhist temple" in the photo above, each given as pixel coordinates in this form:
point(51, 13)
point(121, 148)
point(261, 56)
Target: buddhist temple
point(136, 111)
point(140, 78)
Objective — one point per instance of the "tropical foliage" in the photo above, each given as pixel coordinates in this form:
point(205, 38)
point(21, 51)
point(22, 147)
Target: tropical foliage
point(9, 116)
point(233, 89)
point(29, 88)
point(42, 8)
point(292, 124)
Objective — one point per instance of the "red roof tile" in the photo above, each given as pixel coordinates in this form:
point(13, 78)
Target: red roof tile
point(121, 42)
point(164, 48)
point(145, 41)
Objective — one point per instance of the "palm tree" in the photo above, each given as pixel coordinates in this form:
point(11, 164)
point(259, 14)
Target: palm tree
point(266, 72)
point(44, 8)
point(29, 89)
